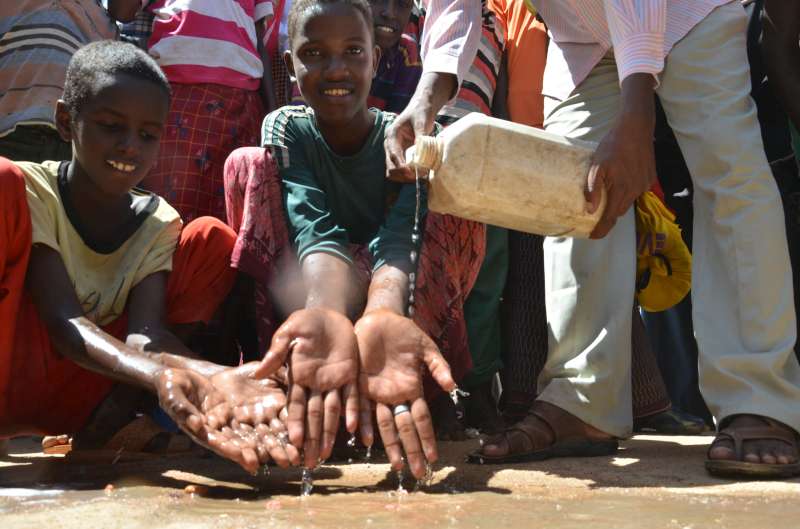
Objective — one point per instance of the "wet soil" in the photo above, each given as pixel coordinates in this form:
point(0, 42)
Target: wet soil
point(653, 482)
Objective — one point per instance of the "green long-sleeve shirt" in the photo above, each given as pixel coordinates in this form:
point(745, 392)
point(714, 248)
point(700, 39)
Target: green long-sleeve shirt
point(334, 201)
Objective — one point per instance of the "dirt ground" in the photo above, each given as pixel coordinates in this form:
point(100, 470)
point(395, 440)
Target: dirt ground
point(652, 482)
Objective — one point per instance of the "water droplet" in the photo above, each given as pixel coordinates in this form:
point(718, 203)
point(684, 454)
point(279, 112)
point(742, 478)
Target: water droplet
point(352, 441)
point(368, 455)
point(307, 483)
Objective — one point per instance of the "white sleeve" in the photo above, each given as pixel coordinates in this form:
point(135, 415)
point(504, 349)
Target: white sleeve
point(451, 36)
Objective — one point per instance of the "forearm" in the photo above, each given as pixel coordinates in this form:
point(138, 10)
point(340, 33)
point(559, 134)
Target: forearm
point(388, 290)
point(89, 346)
point(433, 91)
point(638, 100)
point(328, 282)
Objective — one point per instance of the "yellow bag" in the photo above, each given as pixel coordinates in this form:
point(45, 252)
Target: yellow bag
point(663, 264)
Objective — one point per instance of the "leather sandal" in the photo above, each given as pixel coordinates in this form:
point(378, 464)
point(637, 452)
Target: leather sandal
point(737, 469)
point(546, 421)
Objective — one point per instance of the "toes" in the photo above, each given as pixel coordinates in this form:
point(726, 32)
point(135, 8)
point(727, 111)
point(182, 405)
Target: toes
point(722, 449)
point(768, 457)
point(496, 448)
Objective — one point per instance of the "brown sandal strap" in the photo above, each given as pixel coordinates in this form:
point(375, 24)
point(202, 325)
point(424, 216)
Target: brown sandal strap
point(773, 430)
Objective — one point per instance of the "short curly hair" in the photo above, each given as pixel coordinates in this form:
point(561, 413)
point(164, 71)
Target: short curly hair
point(103, 59)
point(301, 8)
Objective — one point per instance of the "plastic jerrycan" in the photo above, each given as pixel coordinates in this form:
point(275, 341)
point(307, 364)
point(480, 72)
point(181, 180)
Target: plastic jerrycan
point(509, 175)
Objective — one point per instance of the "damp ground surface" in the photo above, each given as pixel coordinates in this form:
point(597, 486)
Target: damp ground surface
point(653, 482)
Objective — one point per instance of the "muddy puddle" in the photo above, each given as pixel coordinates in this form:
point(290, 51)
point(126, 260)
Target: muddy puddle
point(671, 492)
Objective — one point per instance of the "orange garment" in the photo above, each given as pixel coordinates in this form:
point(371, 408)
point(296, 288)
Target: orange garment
point(526, 51)
point(42, 392)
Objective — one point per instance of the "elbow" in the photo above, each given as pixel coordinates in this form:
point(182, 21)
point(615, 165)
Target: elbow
point(123, 10)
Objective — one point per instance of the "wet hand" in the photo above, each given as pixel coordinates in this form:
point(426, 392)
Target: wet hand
point(320, 348)
point(393, 353)
point(207, 414)
point(255, 408)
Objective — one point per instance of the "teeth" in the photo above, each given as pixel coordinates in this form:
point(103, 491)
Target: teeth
point(119, 166)
point(338, 92)
point(385, 29)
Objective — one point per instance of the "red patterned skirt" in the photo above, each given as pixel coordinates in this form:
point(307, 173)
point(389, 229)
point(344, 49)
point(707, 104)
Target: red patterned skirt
point(206, 123)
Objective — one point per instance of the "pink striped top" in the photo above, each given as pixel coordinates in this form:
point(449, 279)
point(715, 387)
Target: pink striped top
point(641, 33)
point(208, 41)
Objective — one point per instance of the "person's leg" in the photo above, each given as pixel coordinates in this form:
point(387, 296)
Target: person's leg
point(524, 325)
point(744, 317)
point(201, 275)
point(203, 127)
point(585, 386)
point(263, 252)
point(450, 260)
point(482, 313)
point(587, 372)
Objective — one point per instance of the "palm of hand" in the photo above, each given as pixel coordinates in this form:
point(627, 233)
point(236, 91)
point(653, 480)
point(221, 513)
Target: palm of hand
point(391, 350)
point(324, 349)
point(237, 394)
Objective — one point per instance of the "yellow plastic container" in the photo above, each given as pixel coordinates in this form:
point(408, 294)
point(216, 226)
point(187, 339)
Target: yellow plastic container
point(510, 175)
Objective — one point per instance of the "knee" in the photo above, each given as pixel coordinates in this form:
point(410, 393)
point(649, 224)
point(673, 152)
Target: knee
point(244, 164)
point(213, 235)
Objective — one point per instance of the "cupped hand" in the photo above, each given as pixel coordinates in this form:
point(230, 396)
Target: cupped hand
point(254, 407)
point(393, 353)
point(320, 348)
point(206, 413)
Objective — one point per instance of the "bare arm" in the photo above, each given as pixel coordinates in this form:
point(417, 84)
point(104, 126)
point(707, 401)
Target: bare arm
point(781, 52)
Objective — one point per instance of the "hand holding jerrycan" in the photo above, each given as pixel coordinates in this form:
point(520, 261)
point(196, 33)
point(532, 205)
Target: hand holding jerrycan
point(509, 175)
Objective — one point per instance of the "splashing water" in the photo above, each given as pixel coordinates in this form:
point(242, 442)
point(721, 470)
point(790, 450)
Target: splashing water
point(457, 394)
point(400, 477)
point(307, 483)
point(368, 455)
point(426, 480)
point(352, 441)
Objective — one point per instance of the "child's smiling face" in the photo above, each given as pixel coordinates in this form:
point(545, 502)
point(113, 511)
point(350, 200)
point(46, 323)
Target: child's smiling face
point(115, 136)
point(334, 59)
point(390, 17)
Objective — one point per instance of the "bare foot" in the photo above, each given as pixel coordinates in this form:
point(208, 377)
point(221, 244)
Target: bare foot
point(56, 444)
point(769, 451)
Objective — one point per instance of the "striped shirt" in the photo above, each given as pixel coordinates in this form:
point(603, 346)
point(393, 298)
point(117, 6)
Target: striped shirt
point(37, 40)
point(480, 81)
point(641, 33)
point(208, 41)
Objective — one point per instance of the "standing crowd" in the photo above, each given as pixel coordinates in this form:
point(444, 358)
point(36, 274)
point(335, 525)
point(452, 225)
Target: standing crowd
point(209, 231)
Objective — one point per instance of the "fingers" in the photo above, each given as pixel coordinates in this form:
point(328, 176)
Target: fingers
point(437, 365)
point(330, 422)
point(365, 421)
point(424, 424)
point(388, 431)
point(399, 137)
point(351, 407)
point(296, 414)
point(595, 187)
point(411, 445)
point(313, 433)
point(276, 355)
